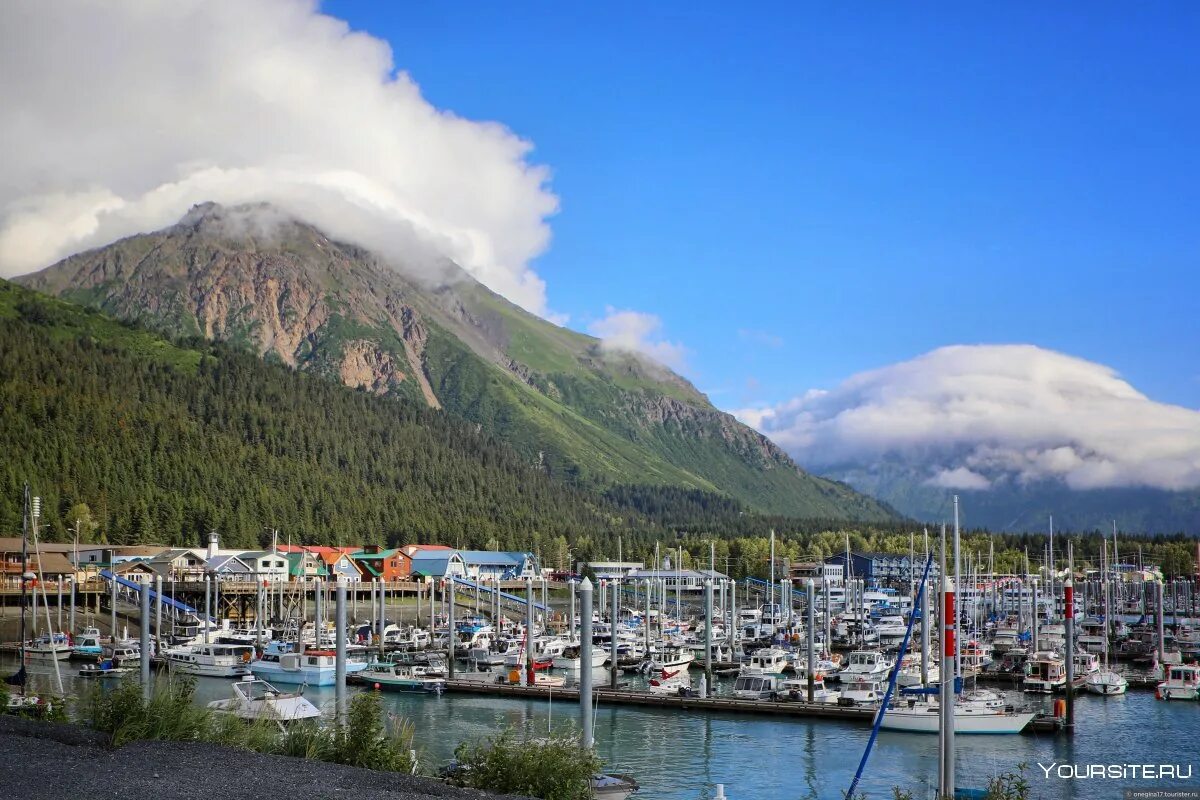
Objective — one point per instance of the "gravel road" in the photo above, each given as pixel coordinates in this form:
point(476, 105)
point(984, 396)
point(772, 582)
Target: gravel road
point(57, 761)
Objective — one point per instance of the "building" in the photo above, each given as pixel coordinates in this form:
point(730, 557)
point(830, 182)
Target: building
point(266, 566)
point(306, 567)
point(50, 562)
point(491, 565)
point(180, 564)
point(687, 580)
point(138, 571)
point(229, 567)
point(883, 569)
point(376, 563)
point(436, 564)
point(607, 570)
point(339, 565)
point(822, 573)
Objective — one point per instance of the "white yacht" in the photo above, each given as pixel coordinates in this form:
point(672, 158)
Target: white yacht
point(862, 691)
point(212, 660)
point(797, 689)
point(1047, 672)
point(864, 664)
point(255, 700)
point(572, 658)
point(766, 661)
point(923, 716)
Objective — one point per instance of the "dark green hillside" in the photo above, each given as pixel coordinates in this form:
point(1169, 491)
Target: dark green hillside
point(164, 442)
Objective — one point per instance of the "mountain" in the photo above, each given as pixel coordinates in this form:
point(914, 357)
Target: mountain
point(1008, 504)
point(141, 439)
point(255, 278)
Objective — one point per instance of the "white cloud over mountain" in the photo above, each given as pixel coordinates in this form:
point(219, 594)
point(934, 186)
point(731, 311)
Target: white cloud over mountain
point(638, 332)
point(974, 414)
point(119, 116)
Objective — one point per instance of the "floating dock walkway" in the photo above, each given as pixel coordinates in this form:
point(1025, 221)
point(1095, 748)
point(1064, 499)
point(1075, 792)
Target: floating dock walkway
point(1043, 723)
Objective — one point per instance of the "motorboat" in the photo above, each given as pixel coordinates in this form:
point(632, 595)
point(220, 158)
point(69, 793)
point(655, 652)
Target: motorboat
point(88, 644)
point(122, 655)
point(1085, 664)
point(1106, 682)
point(572, 658)
point(397, 678)
point(1182, 683)
point(212, 660)
point(103, 669)
point(255, 700)
point(670, 682)
point(862, 691)
point(797, 689)
point(760, 686)
point(864, 664)
point(910, 671)
point(312, 667)
point(54, 647)
point(613, 787)
point(670, 657)
point(1046, 672)
point(766, 661)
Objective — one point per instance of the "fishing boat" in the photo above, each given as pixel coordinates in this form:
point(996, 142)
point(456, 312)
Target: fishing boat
point(923, 716)
point(760, 686)
point(88, 644)
point(670, 657)
point(485, 657)
point(312, 667)
point(863, 664)
point(1182, 683)
point(397, 678)
point(766, 661)
point(211, 660)
point(255, 700)
point(1046, 672)
point(53, 647)
point(862, 691)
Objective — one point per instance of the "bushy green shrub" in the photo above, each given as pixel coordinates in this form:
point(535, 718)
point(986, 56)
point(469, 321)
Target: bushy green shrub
point(172, 715)
point(555, 768)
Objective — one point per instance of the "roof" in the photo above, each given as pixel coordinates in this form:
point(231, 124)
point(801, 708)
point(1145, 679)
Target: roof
point(51, 563)
point(493, 557)
point(176, 552)
point(363, 555)
point(226, 563)
point(295, 560)
point(432, 563)
point(130, 566)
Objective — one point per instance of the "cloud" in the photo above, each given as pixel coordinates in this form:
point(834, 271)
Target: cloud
point(976, 414)
point(637, 332)
point(119, 116)
point(764, 338)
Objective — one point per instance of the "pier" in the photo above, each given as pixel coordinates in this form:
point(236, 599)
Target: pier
point(1043, 723)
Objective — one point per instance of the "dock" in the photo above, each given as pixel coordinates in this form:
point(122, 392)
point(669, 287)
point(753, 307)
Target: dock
point(1043, 723)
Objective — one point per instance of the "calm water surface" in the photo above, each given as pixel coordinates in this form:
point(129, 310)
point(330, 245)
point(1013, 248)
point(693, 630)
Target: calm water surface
point(679, 756)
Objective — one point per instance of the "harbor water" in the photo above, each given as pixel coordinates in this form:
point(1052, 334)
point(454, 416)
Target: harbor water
point(681, 755)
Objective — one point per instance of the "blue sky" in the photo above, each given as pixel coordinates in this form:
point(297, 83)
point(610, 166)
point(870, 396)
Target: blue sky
point(804, 192)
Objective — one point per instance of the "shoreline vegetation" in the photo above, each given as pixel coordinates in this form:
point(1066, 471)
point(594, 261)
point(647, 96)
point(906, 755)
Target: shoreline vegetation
point(550, 768)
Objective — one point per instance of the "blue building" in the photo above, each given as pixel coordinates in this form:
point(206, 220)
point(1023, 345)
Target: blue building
point(880, 569)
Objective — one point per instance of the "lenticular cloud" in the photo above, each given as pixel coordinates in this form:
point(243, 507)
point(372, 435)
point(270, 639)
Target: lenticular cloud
point(119, 116)
point(975, 414)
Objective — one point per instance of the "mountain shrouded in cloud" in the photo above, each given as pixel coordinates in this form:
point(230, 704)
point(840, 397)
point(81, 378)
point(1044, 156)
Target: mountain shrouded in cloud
point(1011, 421)
point(120, 116)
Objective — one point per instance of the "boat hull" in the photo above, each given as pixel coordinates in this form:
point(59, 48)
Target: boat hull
point(926, 720)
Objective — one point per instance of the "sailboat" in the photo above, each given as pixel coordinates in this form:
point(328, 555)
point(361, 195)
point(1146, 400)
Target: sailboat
point(1106, 681)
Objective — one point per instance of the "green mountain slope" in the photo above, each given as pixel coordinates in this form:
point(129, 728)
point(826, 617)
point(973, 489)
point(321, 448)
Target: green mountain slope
point(581, 413)
point(162, 442)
